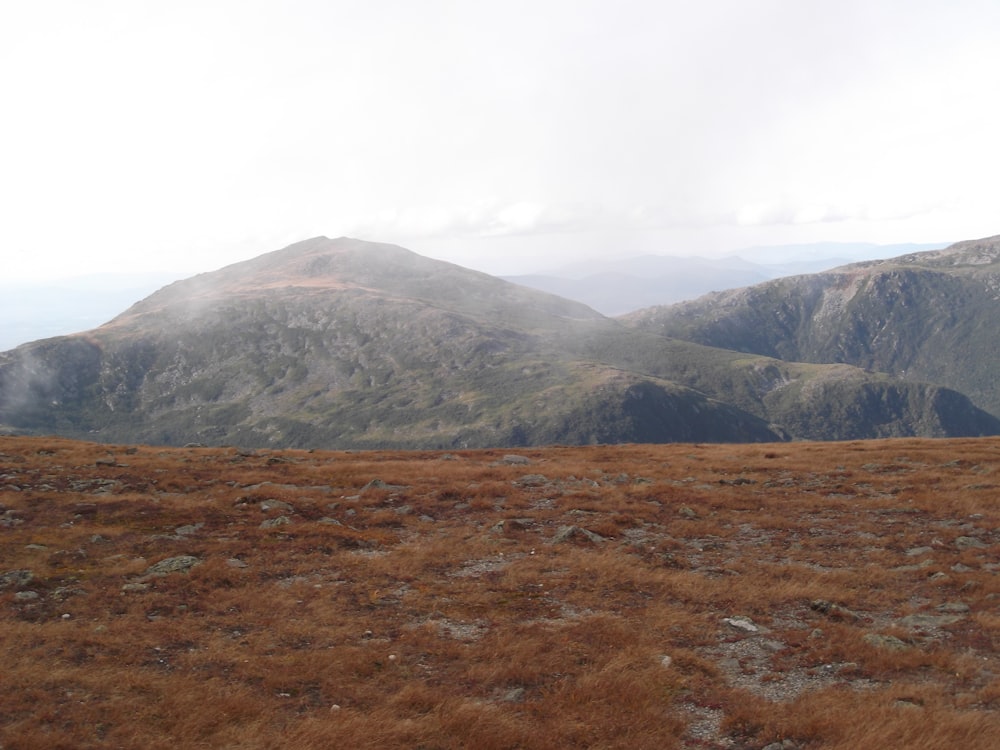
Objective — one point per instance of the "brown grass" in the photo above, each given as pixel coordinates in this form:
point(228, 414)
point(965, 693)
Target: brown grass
point(448, 606)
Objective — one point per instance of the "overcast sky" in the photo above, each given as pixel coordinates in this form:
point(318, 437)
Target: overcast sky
point(503, 135)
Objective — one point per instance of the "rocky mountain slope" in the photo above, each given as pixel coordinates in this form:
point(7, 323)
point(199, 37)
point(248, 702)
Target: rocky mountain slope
point(344, 343)
point(928, 316)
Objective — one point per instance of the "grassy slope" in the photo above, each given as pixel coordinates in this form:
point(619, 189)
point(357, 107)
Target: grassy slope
point(449, 606)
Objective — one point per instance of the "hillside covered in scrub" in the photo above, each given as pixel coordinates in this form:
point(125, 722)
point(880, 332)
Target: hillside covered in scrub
point(351, 344)
point(803, 595)
point(927, 316)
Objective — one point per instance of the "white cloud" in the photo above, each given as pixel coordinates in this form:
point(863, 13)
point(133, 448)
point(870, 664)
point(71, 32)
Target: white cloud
point(140, 133)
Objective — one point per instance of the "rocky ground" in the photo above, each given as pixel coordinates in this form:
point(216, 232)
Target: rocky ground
point(717, 596)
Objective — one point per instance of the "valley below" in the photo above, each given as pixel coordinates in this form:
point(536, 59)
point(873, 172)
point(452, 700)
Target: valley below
point(762, 595)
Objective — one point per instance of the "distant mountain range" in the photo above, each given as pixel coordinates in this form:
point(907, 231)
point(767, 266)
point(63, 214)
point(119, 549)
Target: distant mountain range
point(624, 285)
point(37, 310)
point(345, 343)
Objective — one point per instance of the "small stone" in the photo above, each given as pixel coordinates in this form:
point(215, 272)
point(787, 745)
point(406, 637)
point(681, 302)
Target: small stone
point(179, 564)
point(235, 562)
point(532, 480)
point(514, 695)
point(666, 661)
point(268, 505)
point(565, 533)
point(512, 460)
point(928, 622)
point(686, 512)
point(888, 642)
point(917, 551)
point(15, 578)
point(741, 622)
point(275, 522)
point(378, 484)
point(26, 596)
point(969, 542)
point(134, 588)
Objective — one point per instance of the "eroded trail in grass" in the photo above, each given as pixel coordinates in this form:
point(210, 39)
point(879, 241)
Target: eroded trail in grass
point(824, 595)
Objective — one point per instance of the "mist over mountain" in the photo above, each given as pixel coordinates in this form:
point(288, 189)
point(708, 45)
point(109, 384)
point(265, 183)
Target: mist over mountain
point(624, 285)
point(927, 316)
point(346, 343)
point(38, 309)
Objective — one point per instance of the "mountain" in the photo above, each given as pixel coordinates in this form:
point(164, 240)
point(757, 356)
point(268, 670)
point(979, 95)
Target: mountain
point(624, 285)
point(345, 343)
point(634, 283)
point(927, 316)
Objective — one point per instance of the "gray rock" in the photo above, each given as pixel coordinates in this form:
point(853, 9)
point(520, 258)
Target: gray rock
point(26, 596)
point(179, 564)
point(742, 622)
point(917, 551)
point(275, 522)
point(532, 480)
point(134, 587)
point(928, 622)
point(565, 533)
point(969, 542)
point(272, 504)
point(235, 562)
point(378, 484)
point(514, 695)
point(515, 460)
point(15, 579)
point(888, 642)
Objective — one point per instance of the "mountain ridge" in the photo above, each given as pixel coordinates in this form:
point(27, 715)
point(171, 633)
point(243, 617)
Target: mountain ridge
point(346, 343)
point(922, 316)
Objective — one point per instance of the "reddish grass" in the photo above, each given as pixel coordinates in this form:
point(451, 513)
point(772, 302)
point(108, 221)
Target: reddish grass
point(408, 615)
